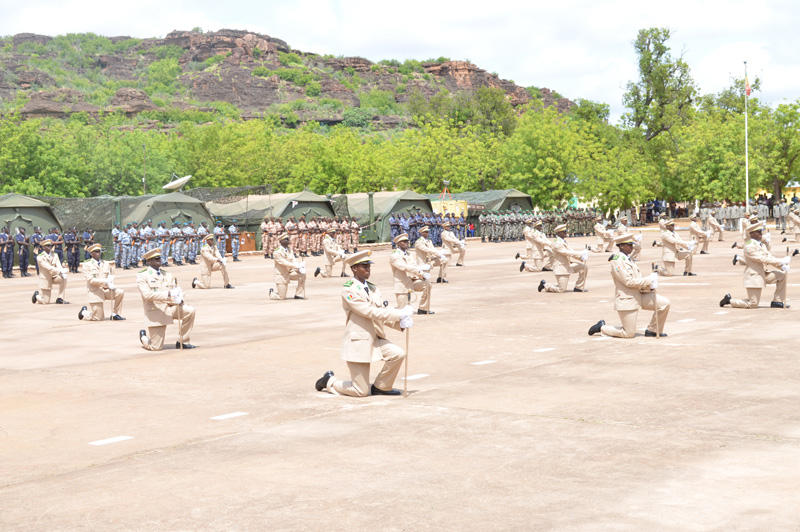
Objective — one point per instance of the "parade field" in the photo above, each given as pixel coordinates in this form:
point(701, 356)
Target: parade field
point(516, 418)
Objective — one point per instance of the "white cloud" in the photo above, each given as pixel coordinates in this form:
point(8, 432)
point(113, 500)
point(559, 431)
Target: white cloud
point(582, 49)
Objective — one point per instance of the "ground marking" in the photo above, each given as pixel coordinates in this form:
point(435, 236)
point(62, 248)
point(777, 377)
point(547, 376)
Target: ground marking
point(478, 363)
point(684, 284)
point(115, 439)
point(228, 416)
point(603, 301)
point(544, 349)
point(721, 313)
point(417, 376)
point(686, 320)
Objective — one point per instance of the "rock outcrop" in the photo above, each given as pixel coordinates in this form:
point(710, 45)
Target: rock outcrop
point(59, 103)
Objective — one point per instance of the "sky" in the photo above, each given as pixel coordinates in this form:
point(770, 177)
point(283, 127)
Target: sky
point(581, 49)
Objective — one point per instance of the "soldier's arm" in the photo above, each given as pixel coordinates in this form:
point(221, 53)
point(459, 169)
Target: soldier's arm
point(357, 303)
point(149, 294)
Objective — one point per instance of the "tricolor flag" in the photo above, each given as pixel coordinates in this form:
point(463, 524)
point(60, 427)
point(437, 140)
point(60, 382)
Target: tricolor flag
point(746, 85)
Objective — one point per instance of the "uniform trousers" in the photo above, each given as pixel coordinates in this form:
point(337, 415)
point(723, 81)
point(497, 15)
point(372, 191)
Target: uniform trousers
point(331, 261)
point(185, 316)
point(358, 385)
point(563, 280)
point(461, 252)
point(23, 260)
point(96, 311)
point(659, 304)
point(417, 286)
point(281, 287)
point(669, 266)
point(235, 241)
point(754, 294)
point(205, 278)
point(59, 285)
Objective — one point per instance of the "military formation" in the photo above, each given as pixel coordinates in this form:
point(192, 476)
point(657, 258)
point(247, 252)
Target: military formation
point(411, 223)
point(508, 226)
point(306, 235)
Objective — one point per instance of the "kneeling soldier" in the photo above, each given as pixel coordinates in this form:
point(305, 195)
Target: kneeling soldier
point(162, 300)
point(100, 285)
point(365, 340)
point(52, 276)
point(211, 261)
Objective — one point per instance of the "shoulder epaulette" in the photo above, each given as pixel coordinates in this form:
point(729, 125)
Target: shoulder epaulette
point(348, 283)
point(614, 256)
point(142, 271)
point(371, 286)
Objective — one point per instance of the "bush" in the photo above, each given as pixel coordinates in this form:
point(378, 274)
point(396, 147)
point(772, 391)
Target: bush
point(356, 117)
point(213, 60)
point(257, 52)
point(167, 52)
point(294, 75)
point(287, 59)
point(382, 101)
point(409, 66)
point(313, 88)
point(261, 71)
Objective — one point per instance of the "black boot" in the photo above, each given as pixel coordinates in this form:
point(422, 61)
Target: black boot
point(594, 329)
point(725, 300)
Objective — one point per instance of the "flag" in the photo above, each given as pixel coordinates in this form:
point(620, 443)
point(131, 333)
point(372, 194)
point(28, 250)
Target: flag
point(746, 85)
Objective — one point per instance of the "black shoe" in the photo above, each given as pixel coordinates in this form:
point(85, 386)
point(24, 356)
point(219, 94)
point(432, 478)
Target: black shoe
point(322, 382)
point(194, 282)
point(229, 286)
point(117, 317)
point(522, 266)
point(704, 252)
point(541, 285)
point(648, 332)
point(143, 337)
point(725, 300)
point(784, 239)
point(654, 244)
point(420, 311)
point(546, 269)
point(733, 246)
point(82, 312)
point(796, 252)
point(377, 391)
point(344, 275)
point(460, 265)
point(516, 256)
point(594, 329)
point(298, 297)
point(735, 259)
point(266, 256)
point(269, 294)
point(33, 297)
point(126, 268)
point(316, 272)
point(185, 346)
point(438, 279)
point(578, 290)
point(60, 301)
point(689, 274)
point(776, 304)
point(236, 260)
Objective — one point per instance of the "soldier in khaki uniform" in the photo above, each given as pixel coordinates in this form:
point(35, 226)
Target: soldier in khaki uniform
point(333, 254)
point(542, 252)
point(211, 261)
point(52, 276)
point(365, 337)
point(702, 237)
point(456, 247)
point(622, 229)
point(428, 254)
point(163, 303)
point(633, 292)
point(409, 276)
point(673, 249)
point(264, 227)
point(605, 237)
point(527, 235)
point(99, 275)
point(761, 269)
point(288, 268)
point(714, 226)
point(566, 261)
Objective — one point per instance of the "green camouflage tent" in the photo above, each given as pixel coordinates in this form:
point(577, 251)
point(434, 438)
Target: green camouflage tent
point(384, 204)
point(18, 211)
point(252, 210)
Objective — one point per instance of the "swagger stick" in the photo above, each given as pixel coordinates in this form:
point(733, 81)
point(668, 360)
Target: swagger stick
point(408, 333)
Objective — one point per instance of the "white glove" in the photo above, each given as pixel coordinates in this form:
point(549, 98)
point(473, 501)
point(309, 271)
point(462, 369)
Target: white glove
point(653, 281)
point(406, 311)
point(426, 276)
point(223, 260)
point(302, 268)
point(406, 322)
point(341, 254)
point(638, 237)
point(786, 268)
point(585, 256)
point(64, 274)
point(463, 243)
point(425, 267)
point(176, 295)
point(110, 282)
point(786, 260)
point(767, 237)
point(692, 245)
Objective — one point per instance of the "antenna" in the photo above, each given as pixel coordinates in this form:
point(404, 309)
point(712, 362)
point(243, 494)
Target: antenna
point(177, 182)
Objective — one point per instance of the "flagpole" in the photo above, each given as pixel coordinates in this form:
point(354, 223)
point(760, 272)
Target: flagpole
point(746, 151)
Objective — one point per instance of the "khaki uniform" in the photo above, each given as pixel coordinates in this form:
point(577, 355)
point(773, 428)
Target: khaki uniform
point(637, 244)
point(50, 278)
point(333, 254)
point(407, 276)
point(605, 238)
point(701, 236)
point(527, 234)
point(756, 275)
point(294, 235)
point(566, 261)
point(428, 254)
point(264, 227)
point(302, 237)
point(674, 248)
point(211, 261)
point(455, 246)
point(794, 221)
point(365, 340)
point(285, 272)
point(715, 227)
point(633, 292)
point(154, 286)
point(97, 274)
point(542, 251)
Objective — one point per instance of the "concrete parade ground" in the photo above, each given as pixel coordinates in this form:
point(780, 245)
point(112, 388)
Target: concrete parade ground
point(516, 420)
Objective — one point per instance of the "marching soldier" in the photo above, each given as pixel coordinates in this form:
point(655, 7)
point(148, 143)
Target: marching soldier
point(761, 269)
point(453, 245)
point(333, 254)
point(52, 276)
point(427, 254)
point(566, 262)
point(287, 269)
point(211, 261)
point(527, 234)
point(409, 276)
point(100, 285)
point(633, 292)
point(364, 337)
point(163, 304)
point(673, 249)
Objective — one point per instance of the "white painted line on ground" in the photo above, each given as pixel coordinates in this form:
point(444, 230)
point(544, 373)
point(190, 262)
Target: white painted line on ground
point(544, 349)
point(721, 313)
point(229, 416)
point(686, 320)
point(603, 301)
point(662, 283)
point(417, 376)
point(115, 439)
point(479, 363)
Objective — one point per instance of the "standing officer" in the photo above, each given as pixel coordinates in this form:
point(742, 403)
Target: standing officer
point(211, 261)
point(221, 236)
point(190, 243)
point(127, 247)
point(52, 276)
point(364, 336)
point(176, 242)
point(633, 292)
point(58, 242)
point(36, 242)
point(566, 261)
point(71, 242)
point(287, 268)
point(482, 223)
point(394, 228)
point(115, 232)
point(233, 234)
point(757, 276)
point(163, 238)
point(100, 285)
point(6, 253)
point(409, 276)
point(163, 303)
point(23, 250)
point(87, 239)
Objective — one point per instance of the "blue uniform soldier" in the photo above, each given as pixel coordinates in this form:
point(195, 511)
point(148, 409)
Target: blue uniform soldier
point(58, 242)
point(219, 234)
point(233, 231)
point(163, 237)
point(176, 242)
point(23, 250)
point(35, 240)
point(87, 239)
point(394, 228)
point(125, 244)
point(117, 245)
point(71, 242)
point(6, 253)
